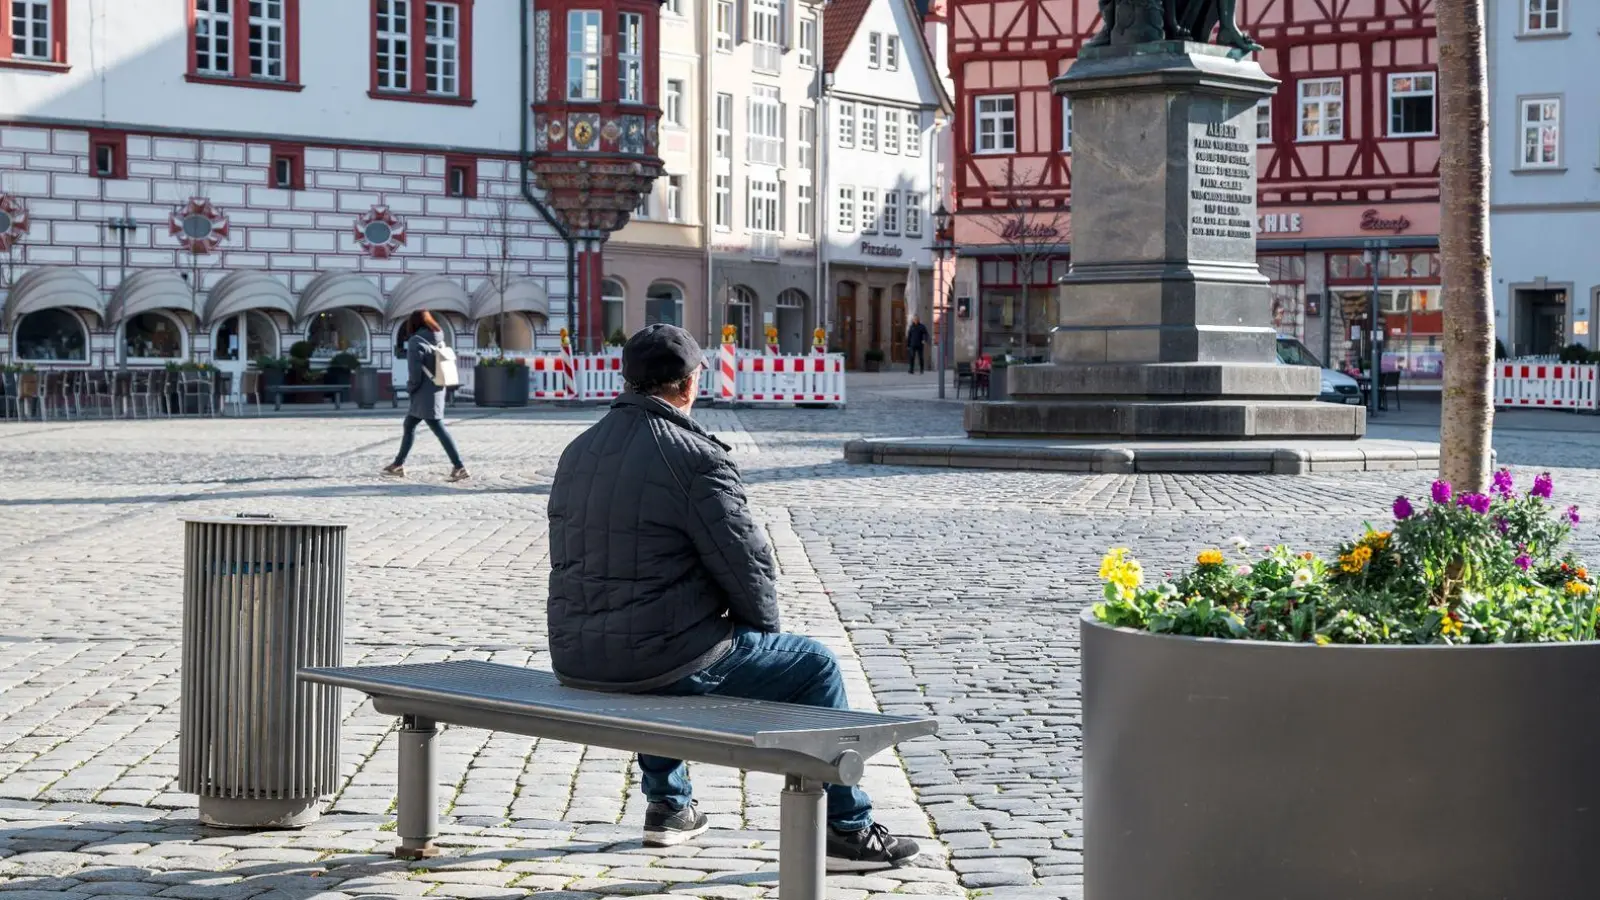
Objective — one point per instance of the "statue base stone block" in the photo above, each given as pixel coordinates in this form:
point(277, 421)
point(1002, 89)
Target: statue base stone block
point(1166, 328)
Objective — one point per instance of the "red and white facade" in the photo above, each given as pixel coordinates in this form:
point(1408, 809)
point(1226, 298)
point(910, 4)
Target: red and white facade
point(292, 171)
point(1348, 154)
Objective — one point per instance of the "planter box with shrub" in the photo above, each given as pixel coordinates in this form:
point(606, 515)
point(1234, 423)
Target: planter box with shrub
point(500, 382)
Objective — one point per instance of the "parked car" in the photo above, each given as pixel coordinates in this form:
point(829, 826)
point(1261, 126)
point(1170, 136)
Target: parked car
point(1337, 387)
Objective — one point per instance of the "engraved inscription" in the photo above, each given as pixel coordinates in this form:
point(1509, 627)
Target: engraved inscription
point(1222, 192)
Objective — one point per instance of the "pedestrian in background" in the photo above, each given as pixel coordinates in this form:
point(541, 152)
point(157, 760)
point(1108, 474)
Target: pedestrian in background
point(916, 343)
point(427, 397)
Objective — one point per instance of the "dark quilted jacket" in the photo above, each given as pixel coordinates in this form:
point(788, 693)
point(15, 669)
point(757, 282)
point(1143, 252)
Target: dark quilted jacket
point(654, 555)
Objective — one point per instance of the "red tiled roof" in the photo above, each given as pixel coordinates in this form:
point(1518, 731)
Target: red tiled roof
point(839, 26)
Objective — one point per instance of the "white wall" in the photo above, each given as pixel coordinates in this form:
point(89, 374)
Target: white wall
point(128, 60)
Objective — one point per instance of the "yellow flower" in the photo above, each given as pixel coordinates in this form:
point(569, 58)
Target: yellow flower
point(1209, 558)
point(1111, 562)
point(1321, 639)
point(1376, 539)
point(1578, 589)
point(1356, 559)
point(1450, 625)
point(1121, 570)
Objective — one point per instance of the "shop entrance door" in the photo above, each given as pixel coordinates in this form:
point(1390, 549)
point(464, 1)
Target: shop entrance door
point(846, 319)
point(1541, 322)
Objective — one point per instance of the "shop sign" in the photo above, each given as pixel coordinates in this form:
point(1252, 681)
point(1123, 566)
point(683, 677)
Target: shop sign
point(1279, 223)
point(1019, 230)
point(871, 249)
point(1372, 220)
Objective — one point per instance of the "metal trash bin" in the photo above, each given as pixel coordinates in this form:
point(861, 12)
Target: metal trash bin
point(262, 598)
point(364, 387)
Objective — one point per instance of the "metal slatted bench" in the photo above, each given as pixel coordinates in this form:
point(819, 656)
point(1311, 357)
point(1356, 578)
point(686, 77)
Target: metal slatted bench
point(808, 746)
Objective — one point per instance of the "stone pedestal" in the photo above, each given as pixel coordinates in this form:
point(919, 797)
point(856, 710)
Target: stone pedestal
point(1166, 327)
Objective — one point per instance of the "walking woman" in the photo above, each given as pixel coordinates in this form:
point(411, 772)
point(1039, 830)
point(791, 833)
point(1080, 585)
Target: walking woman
point(427, 398)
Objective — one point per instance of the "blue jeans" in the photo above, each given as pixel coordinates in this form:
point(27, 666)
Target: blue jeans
point(784, 668)
point(409, 434)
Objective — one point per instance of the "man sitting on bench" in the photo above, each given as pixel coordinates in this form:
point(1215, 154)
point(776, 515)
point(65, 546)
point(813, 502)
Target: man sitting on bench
point(662, 582)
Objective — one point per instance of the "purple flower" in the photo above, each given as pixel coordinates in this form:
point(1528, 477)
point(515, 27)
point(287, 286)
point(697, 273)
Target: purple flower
point(1478, 503)
point(1441, 492)
point(1402, 508)
point(1524, 563)
point(1503, 525)
point(1504, 484)
point(1572, 515)
point(1542, 486)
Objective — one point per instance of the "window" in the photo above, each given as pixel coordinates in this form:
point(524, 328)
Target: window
point(723, 214)
point(213, 37)
point(764, 121)
point(108, 154)
point(50, 335)
point(674, 111)
point(1411, 105)
point(869, 127)
point(765, 207)
point(847, 209)
point(913, 144)
point(766, 34)
point(630, 57)
point(891, 53)
point(741, 303)
point(1322, 109)
point(724, 126)
point(674, 198)
point(583, 54)
point(913, 214)
point(1066, 125)
point(460, 176)
point(869, 211)
point(642, 211)
point(675, 7)
point(807, 124)
point(1264, 121)
point(1541, 133)
point(891, 212)
point(1542, 16)
point(288, 168)
point(808, 43)
point(393, 45)
point(441, 60)
point(153, 336)
point(802, 210)
point(663, 304)
point(847, 124)
point(725, 26)
point(267, 36)
point(422, 50)
point(874, 50)
point(38, 32)
point(891, 131)
point(613, 306)
point(997, 124)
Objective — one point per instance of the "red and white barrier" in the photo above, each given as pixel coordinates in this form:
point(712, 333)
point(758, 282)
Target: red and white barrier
point(1548, 385)
point(728, 371)
point(600, 376)
point(790, 379)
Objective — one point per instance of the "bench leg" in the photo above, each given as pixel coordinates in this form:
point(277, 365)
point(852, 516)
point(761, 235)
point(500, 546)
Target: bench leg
point(417, 818)
point(802, 839)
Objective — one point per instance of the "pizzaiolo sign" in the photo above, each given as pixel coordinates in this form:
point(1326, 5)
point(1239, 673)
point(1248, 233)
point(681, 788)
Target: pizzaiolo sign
point(871, 249)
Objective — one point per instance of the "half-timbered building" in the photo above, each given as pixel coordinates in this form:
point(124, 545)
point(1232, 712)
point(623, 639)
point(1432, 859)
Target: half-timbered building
point(1348, 162)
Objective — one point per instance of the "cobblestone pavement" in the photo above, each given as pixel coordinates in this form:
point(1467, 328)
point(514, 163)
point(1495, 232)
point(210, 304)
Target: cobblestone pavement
point(949, 593)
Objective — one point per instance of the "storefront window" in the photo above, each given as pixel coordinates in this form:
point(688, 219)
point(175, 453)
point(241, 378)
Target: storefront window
point(741, 314)
point(663, 305)
point(1287, 277)
point(51, 335)
point(512, 332)
point(338, 331)
point(1018, 317)
point(614, 307)
point(260, 339)
point(151, 336)
point(1409, 314)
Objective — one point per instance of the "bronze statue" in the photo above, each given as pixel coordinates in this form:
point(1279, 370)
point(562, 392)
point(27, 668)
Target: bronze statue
point(1144, 21)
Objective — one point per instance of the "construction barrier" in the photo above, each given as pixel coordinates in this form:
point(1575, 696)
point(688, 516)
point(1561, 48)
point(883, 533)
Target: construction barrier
point(790, 379)
point(1548, 385)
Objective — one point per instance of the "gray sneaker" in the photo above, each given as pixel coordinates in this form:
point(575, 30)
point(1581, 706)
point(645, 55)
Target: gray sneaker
point(666, 827)
point(870, 848)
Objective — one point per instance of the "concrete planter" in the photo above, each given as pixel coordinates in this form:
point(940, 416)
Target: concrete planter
point(500, 386)
point(999, 385)
point(1238, 770)
point(364, 387)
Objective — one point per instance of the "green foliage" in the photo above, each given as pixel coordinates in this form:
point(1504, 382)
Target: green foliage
point(346, 360)
point(1500, 349)
point(502, 362)
point(1469, 569)
point(618, 338)
point(1577, 353)
point(277, 363)
point(190, 366)
point(873, 355)
point(16, 368)
point(302, 350)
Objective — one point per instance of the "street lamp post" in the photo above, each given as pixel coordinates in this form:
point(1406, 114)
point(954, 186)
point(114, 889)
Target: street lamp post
point(1375, 256)
point(122, 225)
point(944, 247)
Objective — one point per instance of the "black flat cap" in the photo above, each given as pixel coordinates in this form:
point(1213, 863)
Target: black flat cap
point(659, 354)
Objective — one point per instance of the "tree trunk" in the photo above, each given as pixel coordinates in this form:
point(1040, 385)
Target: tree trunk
point(1468, 410)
